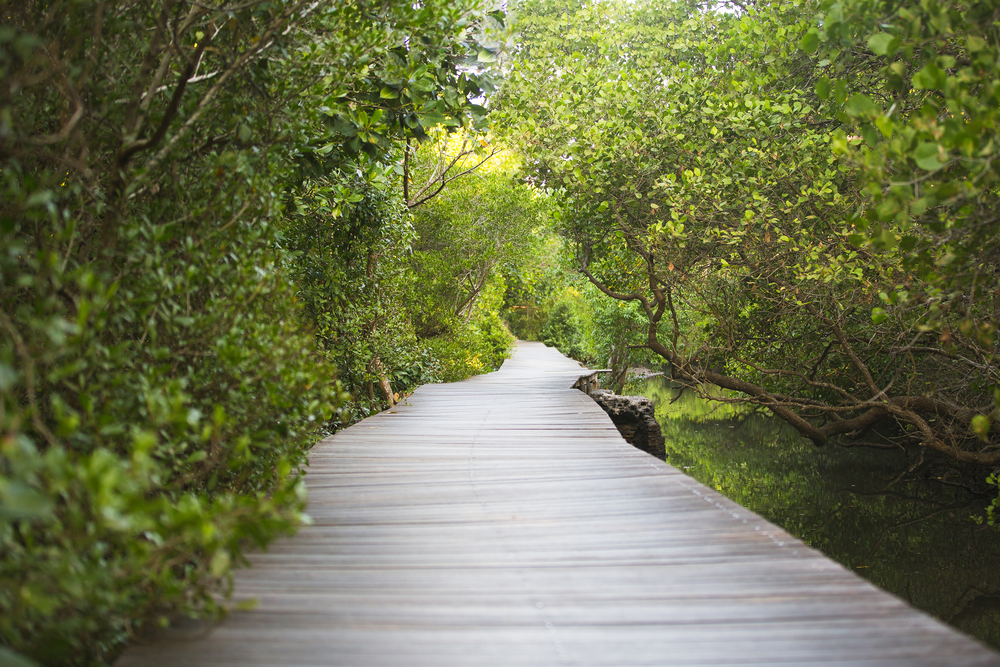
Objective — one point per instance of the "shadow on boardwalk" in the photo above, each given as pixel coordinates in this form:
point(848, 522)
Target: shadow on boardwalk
point(503, 521)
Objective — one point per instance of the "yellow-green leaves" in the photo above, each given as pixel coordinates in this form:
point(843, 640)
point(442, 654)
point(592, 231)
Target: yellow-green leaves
point(981, 425)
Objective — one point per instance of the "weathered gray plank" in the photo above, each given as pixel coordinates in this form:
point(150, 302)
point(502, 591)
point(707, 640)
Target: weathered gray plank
point(502, 521)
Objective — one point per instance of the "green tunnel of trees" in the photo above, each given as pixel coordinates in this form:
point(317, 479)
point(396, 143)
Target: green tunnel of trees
point(229, 228)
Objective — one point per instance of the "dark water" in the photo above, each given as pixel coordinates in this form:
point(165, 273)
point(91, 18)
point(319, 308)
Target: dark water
point(915, 537)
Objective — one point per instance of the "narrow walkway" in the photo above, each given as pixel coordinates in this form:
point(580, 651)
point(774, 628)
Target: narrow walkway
point(503, 521)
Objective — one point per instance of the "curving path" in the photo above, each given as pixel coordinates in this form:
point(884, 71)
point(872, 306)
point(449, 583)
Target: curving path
point(503, 521)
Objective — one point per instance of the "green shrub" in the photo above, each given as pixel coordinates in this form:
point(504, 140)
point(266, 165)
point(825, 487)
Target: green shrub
point(564, 330)
point(156, 393)
point(350, 271)
point(155, 406)
point(478, 344)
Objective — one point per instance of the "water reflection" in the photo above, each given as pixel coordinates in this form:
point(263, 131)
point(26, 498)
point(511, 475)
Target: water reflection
point(912, 537)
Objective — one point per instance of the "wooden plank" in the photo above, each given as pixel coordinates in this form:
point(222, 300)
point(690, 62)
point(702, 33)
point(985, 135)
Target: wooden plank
point(502, 521)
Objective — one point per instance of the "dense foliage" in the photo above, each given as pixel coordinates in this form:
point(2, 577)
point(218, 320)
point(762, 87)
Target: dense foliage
point(349, 276)
point(167, 168)
point(470, 236)
point(800, 199)
point(400, 295)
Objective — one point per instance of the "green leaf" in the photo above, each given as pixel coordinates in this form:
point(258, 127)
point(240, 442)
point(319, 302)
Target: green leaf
point(810, 41)
point(861, 106)
point(388, 93)
point(878, 315)
point(39, 198)
point(883, 44)
point(823, 88)
point(840, 91)
point(8, 377)
point(885, 126)
point(220, 563)
point(18, 500)
point(929, 77)
point(200, 455)
point(927, 156)
point(885, 239)
point(431, 118)
point(486, 56)
point(981, 426)
point(870, 134)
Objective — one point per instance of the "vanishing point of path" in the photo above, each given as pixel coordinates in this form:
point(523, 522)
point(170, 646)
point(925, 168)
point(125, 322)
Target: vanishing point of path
point(503, 521)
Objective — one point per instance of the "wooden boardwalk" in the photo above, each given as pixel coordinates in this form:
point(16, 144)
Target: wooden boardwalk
point(503, 521)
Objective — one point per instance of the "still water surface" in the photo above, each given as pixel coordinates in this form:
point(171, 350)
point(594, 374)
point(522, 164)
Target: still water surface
point(914, 539)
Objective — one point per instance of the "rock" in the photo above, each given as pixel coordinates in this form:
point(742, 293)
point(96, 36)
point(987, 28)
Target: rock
point(635, 418)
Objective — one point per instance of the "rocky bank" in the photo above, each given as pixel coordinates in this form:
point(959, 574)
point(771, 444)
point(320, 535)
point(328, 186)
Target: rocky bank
point(635, 419)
